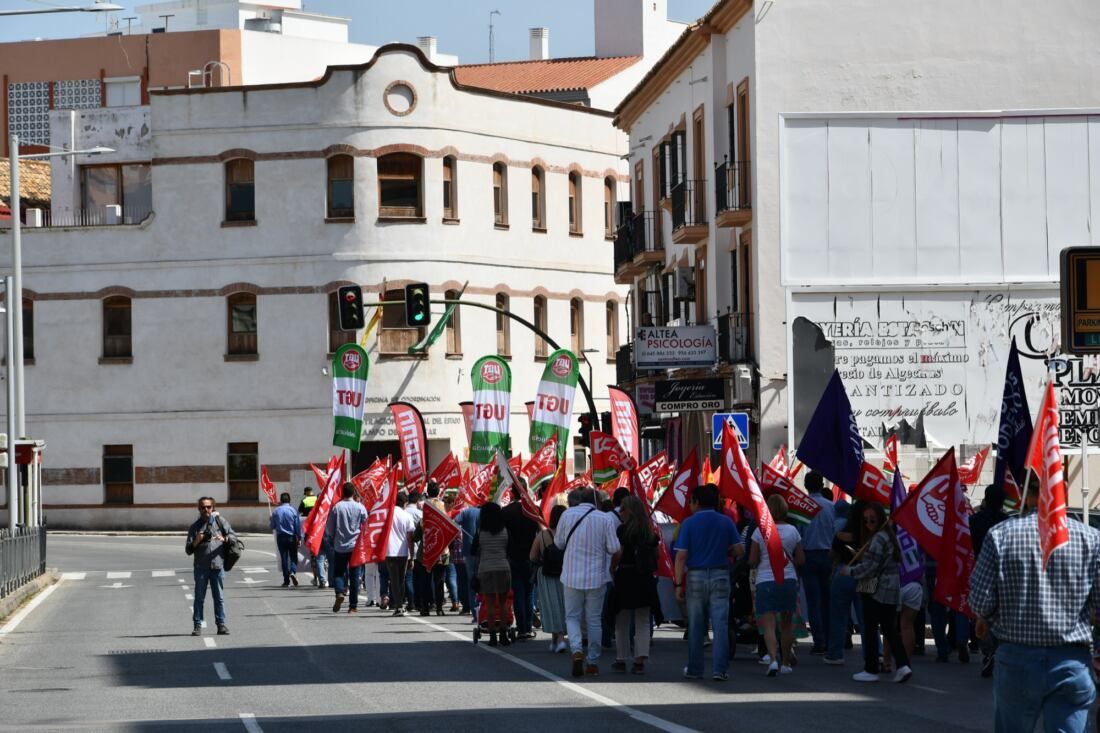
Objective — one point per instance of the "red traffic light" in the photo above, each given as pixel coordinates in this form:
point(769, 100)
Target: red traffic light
point(349, 296)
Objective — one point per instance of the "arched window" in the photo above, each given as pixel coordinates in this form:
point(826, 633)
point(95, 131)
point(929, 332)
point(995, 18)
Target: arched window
point(117, 329)
point(504, 330)
point(611, 317)
point(240, 190)
point(500, 194)
point(341, 187)
point(609, 207)
point(574, 203)
point(454, 327)
point(336, 336)
point(400, 179)
point(540, 323)
point(450, 188)
point(28, 330)
point(576, 326)
point(241, 325)
point(538, 198)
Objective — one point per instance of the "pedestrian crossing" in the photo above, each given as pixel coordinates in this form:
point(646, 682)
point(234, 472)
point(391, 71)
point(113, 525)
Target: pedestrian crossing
point(138, 574)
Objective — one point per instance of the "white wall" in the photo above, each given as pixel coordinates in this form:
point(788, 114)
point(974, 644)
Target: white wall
point(272, 58)
point(123, 129)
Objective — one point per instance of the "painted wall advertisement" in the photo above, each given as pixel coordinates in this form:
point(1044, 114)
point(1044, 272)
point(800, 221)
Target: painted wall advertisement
point(943, 354)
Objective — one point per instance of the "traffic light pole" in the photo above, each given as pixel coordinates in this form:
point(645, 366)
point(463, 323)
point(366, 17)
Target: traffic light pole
point(586, 388)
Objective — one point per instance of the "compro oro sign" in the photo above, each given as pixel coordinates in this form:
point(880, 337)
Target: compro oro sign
point(674, 347)
point(685, 395)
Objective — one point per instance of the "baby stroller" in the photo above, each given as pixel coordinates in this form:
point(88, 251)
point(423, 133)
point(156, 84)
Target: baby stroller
point(509, 620)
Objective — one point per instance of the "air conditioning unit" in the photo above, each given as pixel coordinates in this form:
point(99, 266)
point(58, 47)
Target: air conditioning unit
point(683, 284)
point(743, 392)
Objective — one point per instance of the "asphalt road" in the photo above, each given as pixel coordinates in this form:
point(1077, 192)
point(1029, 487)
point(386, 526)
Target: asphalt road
point(110, 649)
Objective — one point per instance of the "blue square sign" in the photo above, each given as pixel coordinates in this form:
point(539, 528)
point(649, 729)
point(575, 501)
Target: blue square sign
point(740, 422)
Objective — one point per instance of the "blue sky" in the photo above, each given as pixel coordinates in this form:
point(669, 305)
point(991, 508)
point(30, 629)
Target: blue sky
point(462, 26)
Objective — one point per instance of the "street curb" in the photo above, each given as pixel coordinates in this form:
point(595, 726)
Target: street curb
point(12, 603)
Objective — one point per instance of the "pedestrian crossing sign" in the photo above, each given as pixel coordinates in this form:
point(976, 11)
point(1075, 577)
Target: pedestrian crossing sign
point(740, 423)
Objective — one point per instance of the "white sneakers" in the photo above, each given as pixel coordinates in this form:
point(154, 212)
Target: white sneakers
point(773, 669)
point(765, 660)
point(786, 670)
point(903, 674)
point(866, 676)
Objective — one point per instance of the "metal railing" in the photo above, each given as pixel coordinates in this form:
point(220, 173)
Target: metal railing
point(102, 216)
point(641, 233)
point(22, 557)
point(689, 204)
point(624, 365)
point(734, 337)
point(733, 185)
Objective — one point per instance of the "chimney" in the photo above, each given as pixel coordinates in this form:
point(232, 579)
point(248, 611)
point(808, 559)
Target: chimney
point(428, 44)
point(540, 43)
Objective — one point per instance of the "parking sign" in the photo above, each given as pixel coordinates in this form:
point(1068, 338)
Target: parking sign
point(740, 422)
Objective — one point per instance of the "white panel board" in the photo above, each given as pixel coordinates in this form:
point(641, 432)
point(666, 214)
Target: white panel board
point(1023, 199)
point(850, 200)
point(1067, 189)
point(892, 212)
point(806, 212)
point(1093, 126)
point(937, 198)
point(980, 199)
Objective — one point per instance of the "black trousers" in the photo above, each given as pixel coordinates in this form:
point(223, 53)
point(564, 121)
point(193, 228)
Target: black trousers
point(879, 616)
point(396, 567)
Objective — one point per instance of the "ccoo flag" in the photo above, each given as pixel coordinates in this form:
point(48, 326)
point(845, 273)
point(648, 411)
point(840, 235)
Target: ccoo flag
point(831, 444)
point(349, 386)
point(492, 379)
point(554, 402)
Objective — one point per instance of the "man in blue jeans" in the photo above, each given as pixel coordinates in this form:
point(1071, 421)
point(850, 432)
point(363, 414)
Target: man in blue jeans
point(817, 541)
point(205, 541)
point(345, 522)
point(286, 523)
point(707, 542)
point(1041, 618)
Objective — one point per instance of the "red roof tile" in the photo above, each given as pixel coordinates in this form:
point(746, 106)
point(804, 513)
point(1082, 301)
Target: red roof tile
point(550, 75)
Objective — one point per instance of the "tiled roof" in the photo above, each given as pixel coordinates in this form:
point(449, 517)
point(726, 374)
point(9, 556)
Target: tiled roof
point(550, 75)
point(34, 181)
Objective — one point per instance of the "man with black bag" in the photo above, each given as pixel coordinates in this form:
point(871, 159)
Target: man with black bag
point(206, 541)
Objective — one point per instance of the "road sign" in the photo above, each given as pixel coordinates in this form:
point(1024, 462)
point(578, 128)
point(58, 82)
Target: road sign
point(740, 422)
point(1081, 300)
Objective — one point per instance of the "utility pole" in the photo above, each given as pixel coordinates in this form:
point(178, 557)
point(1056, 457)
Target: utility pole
point(166, 17)
point(130, 24)
point(491, 49)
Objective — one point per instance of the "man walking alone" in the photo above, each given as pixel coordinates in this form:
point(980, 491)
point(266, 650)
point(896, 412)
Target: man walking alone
point(287, 526)
point(345, 522)
point(205, 540)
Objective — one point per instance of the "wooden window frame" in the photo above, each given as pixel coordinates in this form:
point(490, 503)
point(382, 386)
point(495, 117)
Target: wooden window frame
point(28, 331)
point(118, 492)
point(611, 321)
point(744, 139)
point(414, 171)
point(394, 337)
point(337, 337)
point(576, 203)
point(540, 317)
point(450, 188)
point(331, 178)
point(504, 326)
point(639, 187)
point(576, 326)
point(453, 327)
point(117, 347)
point(500, 195)
point(234, 171)
point(244, 345)
point(538, 199)
point(242, 490)
point(609, 201)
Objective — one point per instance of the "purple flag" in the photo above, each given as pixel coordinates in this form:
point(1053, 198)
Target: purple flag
point(1014, 433)
point(832, 445)
point(911, 567)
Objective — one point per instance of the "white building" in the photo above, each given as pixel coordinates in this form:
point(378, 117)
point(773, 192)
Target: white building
point(892, 188)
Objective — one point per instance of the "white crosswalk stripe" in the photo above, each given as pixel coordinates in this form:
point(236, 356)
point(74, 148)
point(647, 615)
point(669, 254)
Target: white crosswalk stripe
point(164, 573)
point(253, 571)
point(73, 576)
point(121, 574)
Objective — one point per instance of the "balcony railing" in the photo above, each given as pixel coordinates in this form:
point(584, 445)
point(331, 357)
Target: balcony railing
point(100, 216)
point(689, 204)
point(733, 185)
point(640, 234)
point(735, 337)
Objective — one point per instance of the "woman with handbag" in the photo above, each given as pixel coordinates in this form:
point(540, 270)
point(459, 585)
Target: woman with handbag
point(548, 558)
point(775, 599)
point(879, 587)
point(634, 589)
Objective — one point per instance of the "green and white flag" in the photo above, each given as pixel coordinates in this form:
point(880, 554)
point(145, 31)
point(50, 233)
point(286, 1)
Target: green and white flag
point(553, 411)
point(492, 403)
point(349, 387)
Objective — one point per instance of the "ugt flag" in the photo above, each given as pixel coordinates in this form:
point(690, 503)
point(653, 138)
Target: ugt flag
point(832, 445)
point(349, 386)
point(554, 402)
point(492, 381)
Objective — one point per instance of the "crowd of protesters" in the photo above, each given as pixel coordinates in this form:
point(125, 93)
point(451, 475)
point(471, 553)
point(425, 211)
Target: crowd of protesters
point(590, 581)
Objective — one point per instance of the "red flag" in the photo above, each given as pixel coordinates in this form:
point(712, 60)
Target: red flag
point(527, 503)
point(872, 485)
point(624, 422)
point(409, 425)
point(267, 486)
point(322, 482)
point(447, 474)
point(970, 471)
point(373, 540)
point(675, 499)
point(555, 487)
point(802, 507)
point(956, 560)
point(1044, 457)
point(779, 461)
point(608, 457)
point(543, 464)
point(742, 486)
point(924, 509)
point(608, 487)
point(439, 532)
point(366, 482)
point(476, 491)
point(580, 482)
point(706, 472)
point(796, 469)
point(891, 452)
point(649, 472)
point(468, 420)
point(318, 518)
point(1012, 491)
point(515, 463)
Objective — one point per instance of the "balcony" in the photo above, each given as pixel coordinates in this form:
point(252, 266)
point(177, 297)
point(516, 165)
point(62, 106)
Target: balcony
point(735, 338)
point(733, 193)
point(689, 212)
point(624, 365)
point(638, 244)
point(101, 216)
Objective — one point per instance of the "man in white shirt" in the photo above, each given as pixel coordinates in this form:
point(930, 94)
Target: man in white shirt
point(592, 550)
point(397, 552)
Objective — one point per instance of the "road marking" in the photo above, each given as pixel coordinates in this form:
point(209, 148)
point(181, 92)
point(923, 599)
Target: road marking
point(116, 585)
point(119, 574)
point(203, 624)
point(184, 587)
point(17, 618)
point(930, 689)
point(250, 571)
point(210, 643)
point(223, 673)
point(188, 596)
point(164, 573)
point(181, 580)
point(652, 720)
point(74, 576)
point(250, 581)
point(250, 723)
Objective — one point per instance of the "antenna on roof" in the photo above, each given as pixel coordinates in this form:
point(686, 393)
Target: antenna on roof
point(491, 14)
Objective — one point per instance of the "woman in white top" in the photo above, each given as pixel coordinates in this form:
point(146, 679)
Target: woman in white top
point(777, 598)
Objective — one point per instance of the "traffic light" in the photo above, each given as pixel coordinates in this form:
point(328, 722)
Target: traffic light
point(417, 305)
point(349, 301)
point(585, 420)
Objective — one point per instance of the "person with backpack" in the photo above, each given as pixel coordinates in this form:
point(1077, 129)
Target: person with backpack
point(548, 558)
point(634, 590)
point(206, 540)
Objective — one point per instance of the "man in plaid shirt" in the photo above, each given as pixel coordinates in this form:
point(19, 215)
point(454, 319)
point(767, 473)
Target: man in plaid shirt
point(1042, 620)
